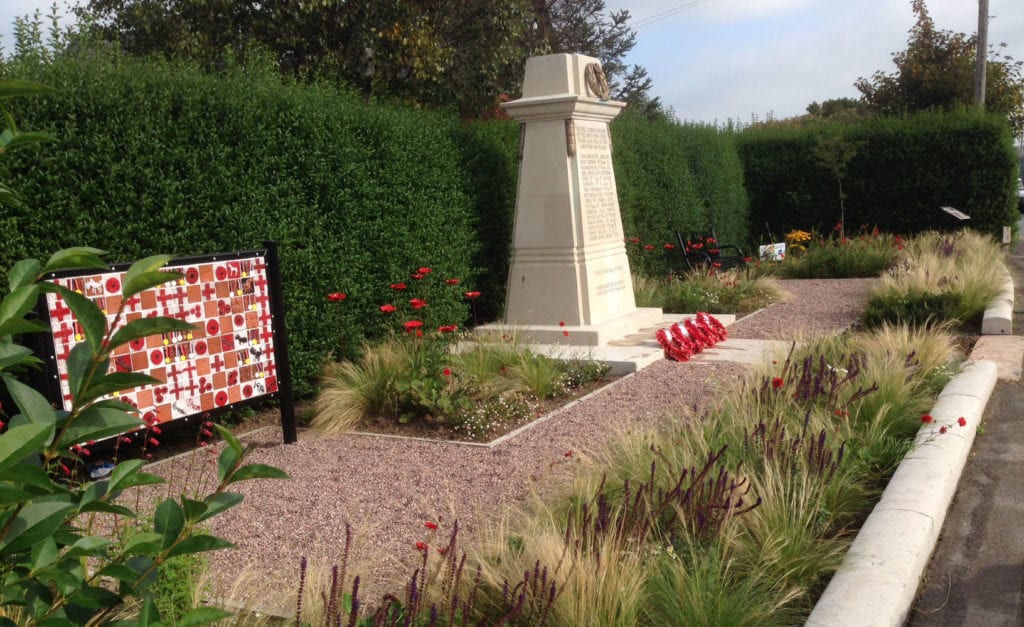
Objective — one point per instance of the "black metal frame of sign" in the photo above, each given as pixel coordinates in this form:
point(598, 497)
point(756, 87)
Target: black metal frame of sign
point(237, 354)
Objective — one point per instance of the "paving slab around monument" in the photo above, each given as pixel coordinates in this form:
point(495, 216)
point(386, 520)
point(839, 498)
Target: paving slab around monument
point(636, 351)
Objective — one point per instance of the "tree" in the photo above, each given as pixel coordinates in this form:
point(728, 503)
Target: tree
point(936, 71)
point(839, 109)
point(423, 52)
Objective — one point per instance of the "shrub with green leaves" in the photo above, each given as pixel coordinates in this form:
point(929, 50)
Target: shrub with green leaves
point(53, 571)
point(732, 291)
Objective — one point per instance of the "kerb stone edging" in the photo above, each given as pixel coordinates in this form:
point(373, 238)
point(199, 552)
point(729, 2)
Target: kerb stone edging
point(998, 317)
point(878, 579)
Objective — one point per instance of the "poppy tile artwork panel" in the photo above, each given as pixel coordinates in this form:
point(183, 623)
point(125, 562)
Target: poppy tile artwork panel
point(227, 358)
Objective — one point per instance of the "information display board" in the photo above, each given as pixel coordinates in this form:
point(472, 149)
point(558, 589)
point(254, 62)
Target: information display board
point(231, 356)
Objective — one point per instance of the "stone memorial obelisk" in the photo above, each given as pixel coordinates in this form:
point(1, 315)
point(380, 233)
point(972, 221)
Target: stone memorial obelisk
point(569, 271)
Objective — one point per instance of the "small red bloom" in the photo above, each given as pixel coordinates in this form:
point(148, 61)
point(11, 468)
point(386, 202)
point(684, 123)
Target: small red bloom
point(206, 433)
point(943, 429)
point(649, 247)
point(387, 308)
point(154, 441)
point(961, 421)
point(155, 429)
point(472, 295)
point(568, 453)
point(777, 382)
point(419, 332)
point(412, 325)
point(424, 270)
point(447, 328)
point(126, 440)
point(337, 297)
point(422, 547)
point(65, 469)
point(452, 281)
point(430, 525)
point(926, 418)
point(669, 246)
point(561, 323)
point(447, 372)
point(398, 286)
point(717, 264)
point(417, 303)
point(565, 333)
point(635, 240)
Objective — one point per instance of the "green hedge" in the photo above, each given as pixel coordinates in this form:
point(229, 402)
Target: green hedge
point(904, 170)
point(673, 177)
point(160, 158)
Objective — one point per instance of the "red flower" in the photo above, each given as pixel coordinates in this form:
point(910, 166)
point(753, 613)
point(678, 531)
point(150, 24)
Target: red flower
point(417, 275)
point(424, 270)
point(398, 286)
point(841, 413)
point(430, 525)
point(412, 325)
point(717, 264)
point(337, 297)
point(446, 372)
point(472, 295)
point(561, 323)
point(926, 418)
point(961, 421)
point(669, 246)
point(747, 259)
point(943, 429)
point(422, 547)
point(635, 240)
point(447, 328)
point(417, 303)
point(568, 453)
point(649, 247)
point(565, 333)
point(452, 281)
point(387, 308)
point(778, 382)
point(154, 441)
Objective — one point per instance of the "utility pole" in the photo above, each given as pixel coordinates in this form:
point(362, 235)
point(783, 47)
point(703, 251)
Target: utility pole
point(981, 57)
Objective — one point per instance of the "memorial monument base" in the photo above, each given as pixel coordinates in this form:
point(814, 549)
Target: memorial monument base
point(582, 335)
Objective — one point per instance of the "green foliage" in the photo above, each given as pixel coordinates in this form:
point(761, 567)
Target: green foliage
point(169, 158)
point(54, 571)
point(675, 177)
point(863, 255)
point(905, 170)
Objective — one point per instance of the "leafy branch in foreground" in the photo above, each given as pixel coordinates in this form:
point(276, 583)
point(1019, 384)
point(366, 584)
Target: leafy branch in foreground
point(53, 571)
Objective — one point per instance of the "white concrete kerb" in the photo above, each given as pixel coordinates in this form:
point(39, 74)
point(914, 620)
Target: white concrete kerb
point(877, 581)
point(998, 316)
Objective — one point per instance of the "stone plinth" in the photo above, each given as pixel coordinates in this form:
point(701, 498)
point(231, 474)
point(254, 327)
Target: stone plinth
point(569, 270)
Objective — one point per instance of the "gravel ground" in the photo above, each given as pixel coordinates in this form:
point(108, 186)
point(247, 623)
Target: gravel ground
point(387, 487)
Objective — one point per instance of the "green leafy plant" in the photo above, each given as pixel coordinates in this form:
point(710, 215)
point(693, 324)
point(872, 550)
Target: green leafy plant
point(55, 572)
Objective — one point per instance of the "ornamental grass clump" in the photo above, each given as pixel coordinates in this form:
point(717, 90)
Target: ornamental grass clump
point(940, 277)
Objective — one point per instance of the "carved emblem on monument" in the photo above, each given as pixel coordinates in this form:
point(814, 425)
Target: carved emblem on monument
point(597, 82)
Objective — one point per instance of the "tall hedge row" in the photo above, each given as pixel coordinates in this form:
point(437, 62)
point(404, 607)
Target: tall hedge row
point(903, 171)
point(673, 177)
point(157, 158)
point(153, 157)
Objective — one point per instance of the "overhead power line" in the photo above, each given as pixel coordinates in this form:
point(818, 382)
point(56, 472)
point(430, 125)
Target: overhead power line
point(657, 17)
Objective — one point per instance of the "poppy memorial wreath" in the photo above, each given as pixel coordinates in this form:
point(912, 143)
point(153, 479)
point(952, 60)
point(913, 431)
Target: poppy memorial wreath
point(682, 341)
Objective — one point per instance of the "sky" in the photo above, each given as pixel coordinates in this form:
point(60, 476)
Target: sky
point(711, 60)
